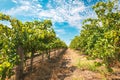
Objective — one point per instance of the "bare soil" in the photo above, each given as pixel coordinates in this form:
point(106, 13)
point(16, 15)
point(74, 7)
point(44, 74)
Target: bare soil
point(63, 67)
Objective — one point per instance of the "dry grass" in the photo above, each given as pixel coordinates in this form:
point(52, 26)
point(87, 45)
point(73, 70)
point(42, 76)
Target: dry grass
point(88, 65)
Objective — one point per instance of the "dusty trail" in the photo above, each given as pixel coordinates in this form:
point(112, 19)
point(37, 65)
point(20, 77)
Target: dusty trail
point(78, 74)
point(63, 67)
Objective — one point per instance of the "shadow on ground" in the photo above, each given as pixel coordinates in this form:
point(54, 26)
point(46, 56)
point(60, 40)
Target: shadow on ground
point(54, 69)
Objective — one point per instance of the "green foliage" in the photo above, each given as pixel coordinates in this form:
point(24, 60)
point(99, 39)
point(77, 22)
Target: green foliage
point(100, 37)
point(31, 36)
point(74, 43)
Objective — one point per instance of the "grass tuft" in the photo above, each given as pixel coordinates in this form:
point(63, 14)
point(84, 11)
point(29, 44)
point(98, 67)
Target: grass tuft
point(88, 65)
point(91, 65)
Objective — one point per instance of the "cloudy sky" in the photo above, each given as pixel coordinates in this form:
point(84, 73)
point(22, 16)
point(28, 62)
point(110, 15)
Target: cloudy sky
point(66, 15)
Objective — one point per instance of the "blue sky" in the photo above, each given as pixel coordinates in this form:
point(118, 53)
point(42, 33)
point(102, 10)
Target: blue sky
point(66, 15)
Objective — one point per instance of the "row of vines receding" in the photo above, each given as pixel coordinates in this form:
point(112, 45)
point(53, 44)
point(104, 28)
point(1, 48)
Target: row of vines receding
point(20, 41)
point(100, 37)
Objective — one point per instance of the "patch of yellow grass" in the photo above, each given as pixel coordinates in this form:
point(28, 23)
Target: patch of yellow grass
point(78, 79)
point(86, 64)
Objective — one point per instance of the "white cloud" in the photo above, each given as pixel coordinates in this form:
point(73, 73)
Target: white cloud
point(24, 8)
point(60, 31)
point(14, 1)
point(56, 10)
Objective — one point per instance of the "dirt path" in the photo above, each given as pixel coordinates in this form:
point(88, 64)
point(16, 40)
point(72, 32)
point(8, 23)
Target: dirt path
point(63, 67)
point(78, 74)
